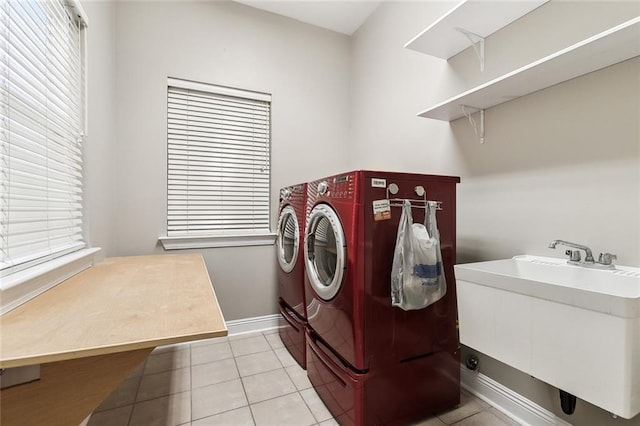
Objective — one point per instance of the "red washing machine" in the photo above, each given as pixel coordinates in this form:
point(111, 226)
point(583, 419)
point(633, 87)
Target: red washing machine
point(372, 363)
point(289, 246)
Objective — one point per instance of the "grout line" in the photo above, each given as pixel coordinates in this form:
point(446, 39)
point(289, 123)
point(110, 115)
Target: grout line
point(211, 362)
point(309, 408)
point(269, 342)
point(291, 378)
point(135, 397)
point(246, 397)
point(268, 345)
point(460, 420)
point(253, 353)
point(153, 399)
point(243, 336)
point(275, 397)
point(239, 376)
point(217, 383)
point(208, 362)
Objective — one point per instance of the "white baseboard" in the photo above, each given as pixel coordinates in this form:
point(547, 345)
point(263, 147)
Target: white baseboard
point(512, 404)
point(249, 325)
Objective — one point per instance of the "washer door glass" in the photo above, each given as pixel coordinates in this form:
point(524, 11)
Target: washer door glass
point(288, 239)
point(325, 252)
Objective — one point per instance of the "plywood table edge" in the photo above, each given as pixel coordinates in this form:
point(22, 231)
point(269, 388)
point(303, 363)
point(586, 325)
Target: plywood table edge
point(113, 348)
point(105, 350)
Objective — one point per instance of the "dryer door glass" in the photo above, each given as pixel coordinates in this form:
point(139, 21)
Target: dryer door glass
point(288, 239)
point(325, 251)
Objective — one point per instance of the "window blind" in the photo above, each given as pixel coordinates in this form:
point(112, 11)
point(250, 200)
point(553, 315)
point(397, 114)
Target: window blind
point(218, 160)
point(41, 127)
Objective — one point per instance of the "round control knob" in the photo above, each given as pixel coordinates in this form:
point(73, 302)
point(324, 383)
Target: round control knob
point(286, 194)
point(322, 188)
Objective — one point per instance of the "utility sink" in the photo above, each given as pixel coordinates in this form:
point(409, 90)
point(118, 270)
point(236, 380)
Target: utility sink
point(573, 327)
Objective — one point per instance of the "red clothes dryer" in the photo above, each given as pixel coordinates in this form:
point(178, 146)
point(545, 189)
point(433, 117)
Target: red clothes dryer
point(392, 366)
point(289, 247)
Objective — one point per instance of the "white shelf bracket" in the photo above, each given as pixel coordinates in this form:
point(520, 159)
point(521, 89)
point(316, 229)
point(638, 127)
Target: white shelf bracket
point(478, 131)
point(477, 42)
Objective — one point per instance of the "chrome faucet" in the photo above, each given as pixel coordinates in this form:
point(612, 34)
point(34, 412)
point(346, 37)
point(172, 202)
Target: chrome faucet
point(604, 260)
point(587, 250)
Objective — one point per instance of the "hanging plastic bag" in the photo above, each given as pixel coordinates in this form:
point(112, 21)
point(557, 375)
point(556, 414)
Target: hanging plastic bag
point(417, 276)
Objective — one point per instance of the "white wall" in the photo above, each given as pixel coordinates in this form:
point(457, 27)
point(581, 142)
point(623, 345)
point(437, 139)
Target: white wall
point(563, 162)
point(560, 163)
point(306, 70)
point(98, 150)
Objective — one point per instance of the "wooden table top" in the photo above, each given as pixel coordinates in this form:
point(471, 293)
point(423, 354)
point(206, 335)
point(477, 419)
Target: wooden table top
point(121, 304)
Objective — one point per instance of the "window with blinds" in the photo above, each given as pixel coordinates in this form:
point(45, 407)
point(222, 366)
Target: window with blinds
point(218, 160)
point(41, 129)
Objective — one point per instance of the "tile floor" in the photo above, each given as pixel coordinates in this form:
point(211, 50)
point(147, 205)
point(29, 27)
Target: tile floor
point(247, 379)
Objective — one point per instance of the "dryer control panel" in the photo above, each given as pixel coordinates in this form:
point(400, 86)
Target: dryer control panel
point(341, 187)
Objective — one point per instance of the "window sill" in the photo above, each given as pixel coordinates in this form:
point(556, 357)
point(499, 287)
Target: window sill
point(197, 242)
point(20, 287)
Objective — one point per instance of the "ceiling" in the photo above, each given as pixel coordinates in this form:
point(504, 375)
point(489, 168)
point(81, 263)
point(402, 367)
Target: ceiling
point(343, 16)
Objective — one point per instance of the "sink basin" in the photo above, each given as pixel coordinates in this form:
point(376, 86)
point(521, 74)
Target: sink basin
point(575, 328)
point(615, 292)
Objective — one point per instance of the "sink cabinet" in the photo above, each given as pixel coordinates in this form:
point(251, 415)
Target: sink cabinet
point(558, 335)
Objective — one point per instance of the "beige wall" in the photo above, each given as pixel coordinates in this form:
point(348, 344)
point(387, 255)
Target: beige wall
point(134, 47)
point(563, 162)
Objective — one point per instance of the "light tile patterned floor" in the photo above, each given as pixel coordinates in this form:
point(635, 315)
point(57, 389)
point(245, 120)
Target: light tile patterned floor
point(247, 379)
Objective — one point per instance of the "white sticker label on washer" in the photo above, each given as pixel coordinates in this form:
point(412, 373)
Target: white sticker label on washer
point(381, 210)
point(378, 183)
